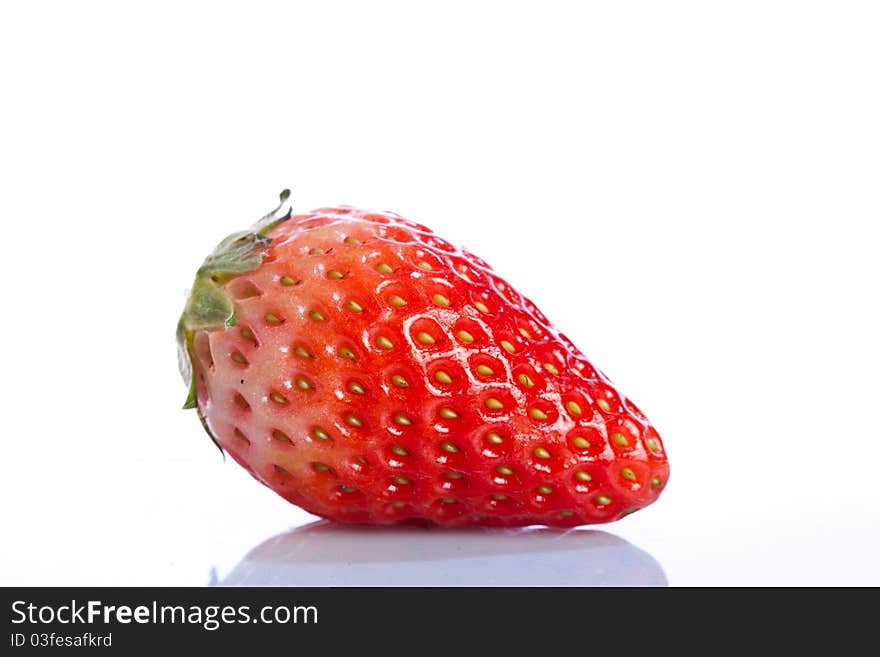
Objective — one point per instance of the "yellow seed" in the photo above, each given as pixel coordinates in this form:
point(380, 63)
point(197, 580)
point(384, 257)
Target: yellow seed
point(447, 413)
point(384, 342)
point(397, 301)
point(464, 336)
point(628, 474)
point(399, 450)
point(345, 352)
point(484, 370)
point(398, 505)
point(320, 434)
point(402, 420)
point(494, 438)
point(399, 381)
point(352, 240)
point(356, 388)
point(526, 380)
point(550, 367)
point(334, 274)
point(603, 500)
point(347, 489)
point(544, 490)
point(580, 475)
point(353, 420)
point(440, 300)
point(481, 306)
point(494, 404)
point(442, 376)
point(425, 338)
point(541, 453)
point(453, 475)
point(504, 470)
point(287, 280)
point(247, 334)
point(280, 436)
point(573, 408)
point(448, 500)
point(507, 346)
point(604, 405)
point(424, 265)
point(656, 481)
point(281, 471)
point(354, 306)
point(566, 513)
point(449, 447)
point(400, 481)
point(238, 358)
point(537, 414)
point(317, 316)
point(580, 442)
point(302, 352)
point(383, 268)
point(316, 251)
point(619, 439)
point(652, 444)
point(524, 333)
point(272, 318)
point(499, 496)
point(317, 466)
point(278, 398)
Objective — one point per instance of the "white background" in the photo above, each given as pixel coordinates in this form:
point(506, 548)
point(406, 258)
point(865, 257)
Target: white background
point(689, 190)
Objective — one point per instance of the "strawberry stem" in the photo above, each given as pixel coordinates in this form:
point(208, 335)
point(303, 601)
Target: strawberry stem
point(208, 306)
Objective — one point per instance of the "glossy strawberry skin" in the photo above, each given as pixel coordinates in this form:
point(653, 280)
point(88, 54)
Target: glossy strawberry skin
point(375, 373)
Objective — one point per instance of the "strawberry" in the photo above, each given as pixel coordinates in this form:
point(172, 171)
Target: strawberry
point(368, 371)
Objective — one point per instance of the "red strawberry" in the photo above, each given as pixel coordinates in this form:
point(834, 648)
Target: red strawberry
point(368, 371)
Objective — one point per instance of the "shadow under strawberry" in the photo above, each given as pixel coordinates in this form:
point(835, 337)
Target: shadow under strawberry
point(329, 554)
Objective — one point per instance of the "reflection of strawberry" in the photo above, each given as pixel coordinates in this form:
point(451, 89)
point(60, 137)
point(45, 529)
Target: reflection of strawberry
point(368, 371)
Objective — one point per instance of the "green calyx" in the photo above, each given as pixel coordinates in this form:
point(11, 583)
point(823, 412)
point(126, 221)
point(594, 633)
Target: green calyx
point(209, 306)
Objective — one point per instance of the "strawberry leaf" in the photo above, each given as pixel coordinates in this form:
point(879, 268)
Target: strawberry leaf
point(209, 307)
